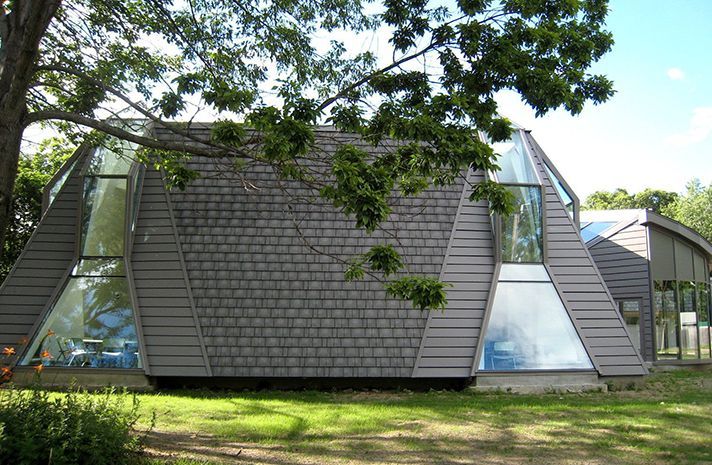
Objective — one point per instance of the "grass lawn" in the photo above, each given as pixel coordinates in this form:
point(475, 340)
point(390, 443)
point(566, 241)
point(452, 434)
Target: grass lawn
point(668, 421)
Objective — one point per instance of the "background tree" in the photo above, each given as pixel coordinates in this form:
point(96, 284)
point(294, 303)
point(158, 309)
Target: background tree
point(33, 174)
point(694, 208)
point(74, 63)
point(619, 199)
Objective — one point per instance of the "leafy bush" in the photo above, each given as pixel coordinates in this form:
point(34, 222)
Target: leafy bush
point(75, 428)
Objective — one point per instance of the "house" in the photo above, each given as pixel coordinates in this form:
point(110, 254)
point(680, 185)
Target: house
point(658, 271)
point(129, 282)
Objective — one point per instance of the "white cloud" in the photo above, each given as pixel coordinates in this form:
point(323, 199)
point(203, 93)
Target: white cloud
point(675, 74)
point(700, 128)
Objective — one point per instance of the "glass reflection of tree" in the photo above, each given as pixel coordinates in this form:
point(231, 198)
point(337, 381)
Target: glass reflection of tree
point(703, 318)
point(666, 316)
point(521, 231)
point(103, 216)
point(107, 310)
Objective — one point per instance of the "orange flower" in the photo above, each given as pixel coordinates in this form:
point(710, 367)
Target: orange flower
point(45, 354)
point(39, 368)
point(5, 374)
point(8, 351)
point(50, 333)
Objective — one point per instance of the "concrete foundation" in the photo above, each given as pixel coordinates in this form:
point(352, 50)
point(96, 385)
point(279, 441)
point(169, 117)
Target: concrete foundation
point(531, 383)
point(88, 378)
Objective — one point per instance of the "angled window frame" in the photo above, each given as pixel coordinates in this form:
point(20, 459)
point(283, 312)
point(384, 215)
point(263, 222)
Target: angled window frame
point(497, 218)
point(66, 169)
point(84, 156)
point(499, 263)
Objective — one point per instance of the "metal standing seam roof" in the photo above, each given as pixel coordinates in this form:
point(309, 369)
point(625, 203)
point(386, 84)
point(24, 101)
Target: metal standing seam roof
point(644, 217)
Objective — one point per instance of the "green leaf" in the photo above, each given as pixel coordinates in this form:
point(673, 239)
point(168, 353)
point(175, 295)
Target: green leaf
point(425, 293)
point(500, 199)
point(384, 258)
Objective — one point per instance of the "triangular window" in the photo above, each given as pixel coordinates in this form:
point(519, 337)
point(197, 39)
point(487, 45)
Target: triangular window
point(529, 328)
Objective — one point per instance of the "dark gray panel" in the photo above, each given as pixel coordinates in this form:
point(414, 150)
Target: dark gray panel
point(575, 260)
point(170, 334)
point(622, 261)
point(41, 266)
point(470, 258)
point(702, 272)
point(683, 262)
point(662, 256)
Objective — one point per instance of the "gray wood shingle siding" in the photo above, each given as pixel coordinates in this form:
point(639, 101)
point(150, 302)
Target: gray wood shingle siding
point(170, 333)
point(39, 270)
point(585, 296)
point(271, 307)
point(229, 283)
point(622, 260)
point(450, 340)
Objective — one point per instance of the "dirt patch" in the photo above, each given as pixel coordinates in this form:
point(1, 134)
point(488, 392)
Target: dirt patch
point(492, 448)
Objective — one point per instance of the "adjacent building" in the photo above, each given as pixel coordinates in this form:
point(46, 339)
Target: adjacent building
point(658, 271)
point(240, 277)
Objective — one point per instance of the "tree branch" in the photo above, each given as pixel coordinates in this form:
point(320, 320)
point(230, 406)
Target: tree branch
point(344, 92)
point(205, 151)
point(149, 115)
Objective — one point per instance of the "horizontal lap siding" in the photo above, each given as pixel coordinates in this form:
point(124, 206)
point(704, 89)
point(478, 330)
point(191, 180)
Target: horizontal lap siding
point(450, 340)
point(169, 328)
point(583, 291)
point(623, 263)
point(271, 306)
point(39, 270)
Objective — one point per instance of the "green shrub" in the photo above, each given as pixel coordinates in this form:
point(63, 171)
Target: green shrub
point(73, 428)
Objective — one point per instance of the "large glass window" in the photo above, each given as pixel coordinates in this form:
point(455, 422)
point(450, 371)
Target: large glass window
point(57, 186)
point(522, 232)
point(689, 340)
point(703, 318)
point(115, 158)
point(666, 320)
point(92, 322)
point(563, 193)
point(90, 325)
point(630, 310)
point(529, 328)
point(515, 166)
point(103, 217)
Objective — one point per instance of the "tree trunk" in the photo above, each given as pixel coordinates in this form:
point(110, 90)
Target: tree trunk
point(10, 139)
point(21, 30)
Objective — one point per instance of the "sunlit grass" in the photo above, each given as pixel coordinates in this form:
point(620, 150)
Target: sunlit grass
point(667, 421)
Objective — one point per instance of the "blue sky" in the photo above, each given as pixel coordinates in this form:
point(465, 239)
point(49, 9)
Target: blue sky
point(657, 129)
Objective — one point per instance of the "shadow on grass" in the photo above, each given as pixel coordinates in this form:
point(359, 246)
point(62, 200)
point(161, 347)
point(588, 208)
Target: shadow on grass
point(669, 423)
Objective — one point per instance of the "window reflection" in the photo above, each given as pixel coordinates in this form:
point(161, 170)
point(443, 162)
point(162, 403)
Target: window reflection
point(703, 318)
point(630, 310)
point(514, 163)
point(529, 329)
point(689, 342)
point(103, 217)
point(117, 158)
point(522, 233)
point(592, 230)
point(91, 324)
point(666, 319)
point(57, 186)
point(563, 193)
